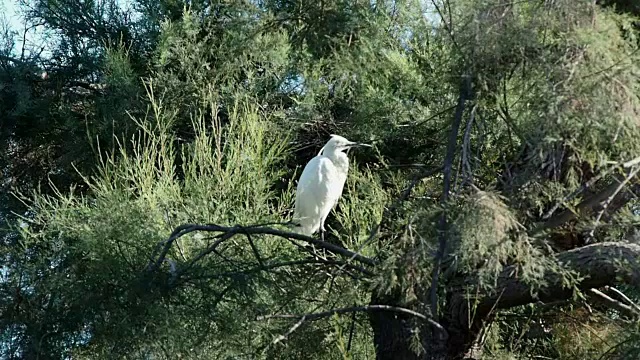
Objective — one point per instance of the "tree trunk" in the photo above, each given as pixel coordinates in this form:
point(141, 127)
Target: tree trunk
point(396, 335)
point(391, 331)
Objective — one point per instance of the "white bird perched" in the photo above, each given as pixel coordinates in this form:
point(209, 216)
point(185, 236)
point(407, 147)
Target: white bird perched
point(321, 184)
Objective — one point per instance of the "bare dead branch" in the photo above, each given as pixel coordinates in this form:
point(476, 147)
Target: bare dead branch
point(631, 163)
point(612, 303)
point(624, 297)
point(364, 308)
point(288, 333)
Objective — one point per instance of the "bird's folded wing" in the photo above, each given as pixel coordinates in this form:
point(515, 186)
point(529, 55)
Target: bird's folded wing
point(318, 184)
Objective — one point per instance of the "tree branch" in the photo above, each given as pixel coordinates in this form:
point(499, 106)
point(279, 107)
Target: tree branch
point(624, 297)
point(586, 207)
point(228, 232)
point(465, 93)
point(12, 59)
point(612, 303)
point(273, 266)
point(589, 184)
point(608, 201)
point(598, 265)
point(364, 308)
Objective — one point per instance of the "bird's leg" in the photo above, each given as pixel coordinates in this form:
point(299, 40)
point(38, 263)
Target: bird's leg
point(322, 230)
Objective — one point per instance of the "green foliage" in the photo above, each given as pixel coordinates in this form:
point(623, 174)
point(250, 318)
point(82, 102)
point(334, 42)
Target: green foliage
point(487, 236)
point(203, 112)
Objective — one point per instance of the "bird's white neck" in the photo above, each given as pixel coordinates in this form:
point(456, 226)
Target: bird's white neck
point(339, 159)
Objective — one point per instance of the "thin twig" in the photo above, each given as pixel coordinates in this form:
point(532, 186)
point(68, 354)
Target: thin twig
point(12, 59)
point(614, 65)
point(364, 308)
point(212, 248)
point(467, 172)
point(267, 267)
point(256, 253)
point(442, 112)
point(447, 26)
point(291, 330)
point(390, 210)
point(351, 330)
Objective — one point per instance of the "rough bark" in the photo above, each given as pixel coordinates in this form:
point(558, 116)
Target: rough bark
point(599, 264)
point(391, 332)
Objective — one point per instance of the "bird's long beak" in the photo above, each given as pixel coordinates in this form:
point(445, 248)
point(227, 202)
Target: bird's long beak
point(359, 144)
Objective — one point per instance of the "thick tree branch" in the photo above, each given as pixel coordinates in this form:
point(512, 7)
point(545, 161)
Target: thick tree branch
point(598, 265)
point(590, 205)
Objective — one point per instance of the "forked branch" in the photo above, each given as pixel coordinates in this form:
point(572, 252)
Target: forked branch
point(225, 233)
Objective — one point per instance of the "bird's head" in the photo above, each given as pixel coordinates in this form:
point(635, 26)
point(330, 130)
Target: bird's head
point(338, 143)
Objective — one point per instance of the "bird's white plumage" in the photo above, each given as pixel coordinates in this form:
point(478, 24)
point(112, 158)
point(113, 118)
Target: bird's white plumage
point(321, 185)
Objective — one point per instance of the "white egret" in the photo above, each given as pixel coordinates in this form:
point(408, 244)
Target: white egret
point(321, 184)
